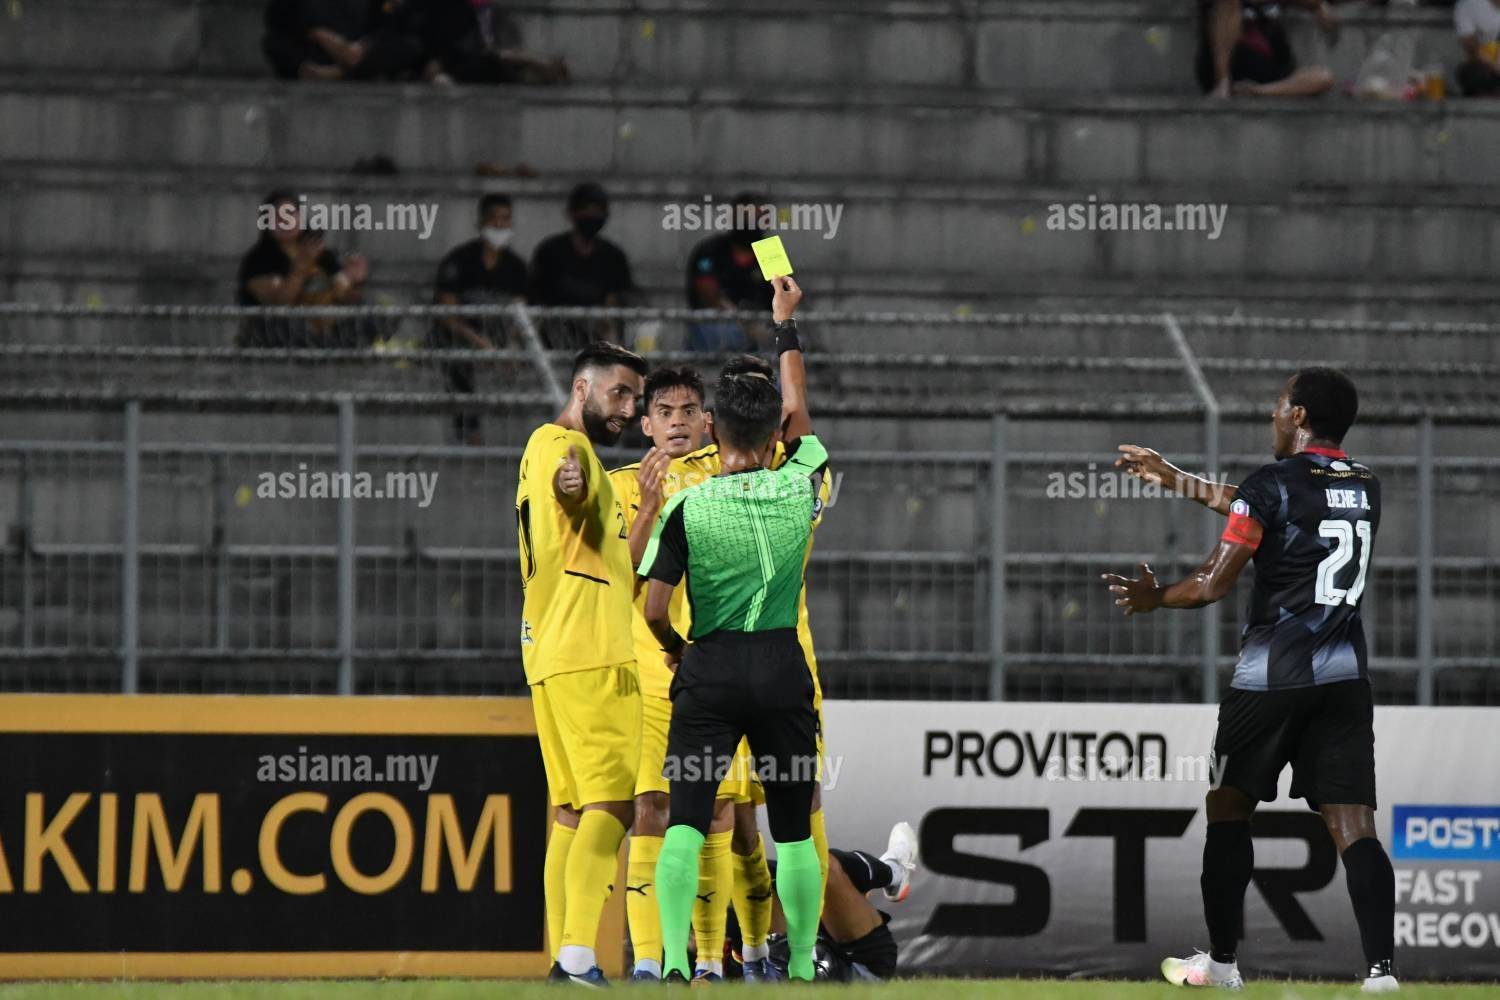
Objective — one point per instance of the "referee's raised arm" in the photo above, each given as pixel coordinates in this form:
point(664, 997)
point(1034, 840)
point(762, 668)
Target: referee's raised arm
point(796, 421)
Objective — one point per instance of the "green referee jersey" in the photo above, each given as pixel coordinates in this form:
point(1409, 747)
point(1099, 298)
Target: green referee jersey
point(741, 539)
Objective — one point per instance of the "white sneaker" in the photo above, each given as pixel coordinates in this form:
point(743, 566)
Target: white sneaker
point(901, 855)
point(1380, 984)
point(1200, 970)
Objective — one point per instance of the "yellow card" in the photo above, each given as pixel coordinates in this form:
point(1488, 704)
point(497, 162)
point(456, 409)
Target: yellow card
point(772, 257)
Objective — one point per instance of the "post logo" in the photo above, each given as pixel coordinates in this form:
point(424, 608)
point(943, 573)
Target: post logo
point(1446, 833)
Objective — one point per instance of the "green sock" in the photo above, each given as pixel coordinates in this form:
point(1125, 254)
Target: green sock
point(799, 886)
point(676, 890)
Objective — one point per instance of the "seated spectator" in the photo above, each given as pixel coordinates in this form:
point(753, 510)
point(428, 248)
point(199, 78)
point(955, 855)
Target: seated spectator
point(1478, 26)
point(723, 274)
point(472, 41)
point(481, 271)
point(580, 268)
point(1243, 50)
point(346, 39)
point(289, 267)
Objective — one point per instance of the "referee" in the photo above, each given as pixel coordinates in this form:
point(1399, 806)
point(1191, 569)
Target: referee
point(740, 539)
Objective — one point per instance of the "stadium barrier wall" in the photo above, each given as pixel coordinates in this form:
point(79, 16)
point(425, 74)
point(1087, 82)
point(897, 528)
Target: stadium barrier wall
point(232, 836)
point(1066, 839)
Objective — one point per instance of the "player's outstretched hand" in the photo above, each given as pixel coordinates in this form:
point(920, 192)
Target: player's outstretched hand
point(649, 478)
point(1148, 465)
point(785, 298)
point(1138, 597)
point(570, 475)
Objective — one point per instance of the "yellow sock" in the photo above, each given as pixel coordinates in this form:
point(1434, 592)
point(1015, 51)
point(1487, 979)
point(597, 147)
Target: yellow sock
point(820, 843)
point(554, 884)
point(711, 908)
point(753, 892)
point(591, 873)
point(640, 898)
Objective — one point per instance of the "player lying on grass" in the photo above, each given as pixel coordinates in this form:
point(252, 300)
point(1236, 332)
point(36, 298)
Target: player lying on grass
point(854, 941)
point(740, 540)
point(1301, 690)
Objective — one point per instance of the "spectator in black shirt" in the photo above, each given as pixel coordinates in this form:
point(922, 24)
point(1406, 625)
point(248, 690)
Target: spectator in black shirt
point(723, 274)
point(481, 271)
point(289, 267)
point(580, 268)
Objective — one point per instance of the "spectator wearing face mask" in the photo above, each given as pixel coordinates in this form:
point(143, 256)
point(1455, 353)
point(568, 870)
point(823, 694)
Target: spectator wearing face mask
point(723, 274)
point(580, 268)
point(481, 271)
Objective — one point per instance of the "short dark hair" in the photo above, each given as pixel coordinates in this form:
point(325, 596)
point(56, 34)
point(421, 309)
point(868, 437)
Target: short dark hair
point(585, 194)
point(604, 354)
point(494, 199)
point(747, 409)
point(743, 364)
point(667, 379)
point(280, 195)
point(1330, 399)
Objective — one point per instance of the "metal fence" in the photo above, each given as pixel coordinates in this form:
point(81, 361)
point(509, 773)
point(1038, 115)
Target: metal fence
point(167, 536)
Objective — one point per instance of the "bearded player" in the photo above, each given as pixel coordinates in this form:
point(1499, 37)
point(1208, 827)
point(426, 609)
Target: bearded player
point(1301, 690)
point(576, 647)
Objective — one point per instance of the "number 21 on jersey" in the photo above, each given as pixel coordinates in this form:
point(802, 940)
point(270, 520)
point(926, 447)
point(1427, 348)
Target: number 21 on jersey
point(1347, 536)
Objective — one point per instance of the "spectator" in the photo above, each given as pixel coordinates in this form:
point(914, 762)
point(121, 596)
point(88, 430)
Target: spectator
point(481, 271)
point(723, 274)
point(471, 40)
point(289, 267)
point(580, 268)
point(1478, 26)
point(1243, 49)
point(346, 39)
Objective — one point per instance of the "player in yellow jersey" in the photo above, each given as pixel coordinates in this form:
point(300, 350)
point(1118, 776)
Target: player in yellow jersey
point(578, 583)
point(675, 420)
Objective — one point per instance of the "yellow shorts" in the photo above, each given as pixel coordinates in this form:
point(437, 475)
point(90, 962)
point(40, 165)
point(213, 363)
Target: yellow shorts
point(589, 725)
point(656, 718)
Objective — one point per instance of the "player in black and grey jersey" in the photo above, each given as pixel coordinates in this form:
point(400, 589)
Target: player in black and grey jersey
point(1301, 690)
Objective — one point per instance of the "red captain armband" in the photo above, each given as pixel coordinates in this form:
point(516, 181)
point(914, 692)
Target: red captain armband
point(1243, 529)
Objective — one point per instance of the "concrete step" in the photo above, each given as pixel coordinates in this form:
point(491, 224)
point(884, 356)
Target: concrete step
point(899, 134)
point(971, 229)
point(1075, 46)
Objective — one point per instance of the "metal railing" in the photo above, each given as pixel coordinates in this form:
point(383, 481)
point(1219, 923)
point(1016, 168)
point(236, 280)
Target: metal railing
point(136, 559)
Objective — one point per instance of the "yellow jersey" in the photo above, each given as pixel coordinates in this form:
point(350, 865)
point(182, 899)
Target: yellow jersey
point(689, 470)
point(575, 564)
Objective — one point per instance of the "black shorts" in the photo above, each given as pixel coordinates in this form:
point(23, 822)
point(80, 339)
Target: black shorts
point(744, 684)
point(1326, 733)
point(1262, 55)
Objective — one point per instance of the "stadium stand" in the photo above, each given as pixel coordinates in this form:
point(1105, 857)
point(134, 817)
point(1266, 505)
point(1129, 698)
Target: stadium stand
point(139, 137)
